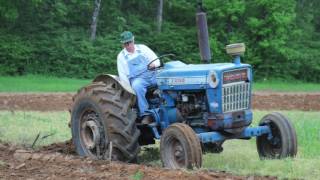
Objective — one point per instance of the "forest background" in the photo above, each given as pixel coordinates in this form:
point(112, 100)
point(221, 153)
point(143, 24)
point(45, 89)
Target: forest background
point(80, 38)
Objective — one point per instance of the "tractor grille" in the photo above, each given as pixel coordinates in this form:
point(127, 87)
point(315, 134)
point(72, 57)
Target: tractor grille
point(235, 96)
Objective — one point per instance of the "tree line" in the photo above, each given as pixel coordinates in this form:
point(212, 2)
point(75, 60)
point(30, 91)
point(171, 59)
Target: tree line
point(80, 38)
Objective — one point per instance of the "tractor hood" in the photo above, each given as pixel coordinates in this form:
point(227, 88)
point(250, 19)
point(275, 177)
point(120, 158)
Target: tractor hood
point(179, 73)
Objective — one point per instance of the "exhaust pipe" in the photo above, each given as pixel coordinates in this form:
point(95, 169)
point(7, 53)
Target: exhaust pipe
point(203, 36)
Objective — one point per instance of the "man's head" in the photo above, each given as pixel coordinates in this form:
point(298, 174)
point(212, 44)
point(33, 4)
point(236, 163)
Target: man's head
point(127, 40)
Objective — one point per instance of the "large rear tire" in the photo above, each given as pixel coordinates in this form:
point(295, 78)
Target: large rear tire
point(101, 114)
point(180, 147)
point(284, 138)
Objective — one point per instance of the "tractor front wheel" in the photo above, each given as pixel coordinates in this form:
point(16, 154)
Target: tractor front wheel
point(282, 143)
point(180, 147)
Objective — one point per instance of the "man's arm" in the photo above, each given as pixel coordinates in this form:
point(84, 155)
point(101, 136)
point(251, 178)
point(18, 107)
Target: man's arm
point(122, 69)
point(150, 55)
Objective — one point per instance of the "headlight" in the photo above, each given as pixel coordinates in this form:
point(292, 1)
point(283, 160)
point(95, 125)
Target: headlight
point(213, 80)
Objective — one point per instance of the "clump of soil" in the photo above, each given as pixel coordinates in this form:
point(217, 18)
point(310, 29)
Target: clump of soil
point(58, 161)
point(62, 147)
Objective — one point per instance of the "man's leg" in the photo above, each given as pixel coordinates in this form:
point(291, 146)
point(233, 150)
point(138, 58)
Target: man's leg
point(140, 85)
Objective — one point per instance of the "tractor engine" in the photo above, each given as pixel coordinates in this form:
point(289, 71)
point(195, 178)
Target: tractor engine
point(191, 106)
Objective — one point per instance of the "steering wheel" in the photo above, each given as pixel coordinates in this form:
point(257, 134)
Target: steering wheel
point(161, 63)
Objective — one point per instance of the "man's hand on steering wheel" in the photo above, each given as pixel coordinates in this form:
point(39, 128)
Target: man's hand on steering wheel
point(151, 65)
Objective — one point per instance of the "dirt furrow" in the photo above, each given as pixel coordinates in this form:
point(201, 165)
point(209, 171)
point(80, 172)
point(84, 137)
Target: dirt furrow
point(62, 101)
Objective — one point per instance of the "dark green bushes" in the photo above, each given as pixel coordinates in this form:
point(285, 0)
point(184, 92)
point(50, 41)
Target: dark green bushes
point(52, 37)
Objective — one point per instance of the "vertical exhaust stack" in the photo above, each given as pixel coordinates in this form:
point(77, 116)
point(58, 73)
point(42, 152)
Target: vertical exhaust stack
point(203, 36)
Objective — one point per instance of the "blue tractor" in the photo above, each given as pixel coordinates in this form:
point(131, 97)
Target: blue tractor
point(195, 109)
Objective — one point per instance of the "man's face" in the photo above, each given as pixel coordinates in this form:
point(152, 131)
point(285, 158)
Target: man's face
point(129, 46)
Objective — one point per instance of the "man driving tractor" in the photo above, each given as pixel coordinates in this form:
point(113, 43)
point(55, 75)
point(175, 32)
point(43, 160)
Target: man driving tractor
point(132, 63)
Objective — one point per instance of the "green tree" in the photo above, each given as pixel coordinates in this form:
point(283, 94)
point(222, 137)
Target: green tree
point(51, 36)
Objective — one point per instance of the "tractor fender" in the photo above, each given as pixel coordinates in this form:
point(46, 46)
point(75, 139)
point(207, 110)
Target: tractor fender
point(109, 78)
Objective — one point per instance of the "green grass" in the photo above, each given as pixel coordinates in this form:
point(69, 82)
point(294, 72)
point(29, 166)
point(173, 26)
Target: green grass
point(285, 86)
point(137, 176)
point(23, 127)
point(37, 83)
point(2, 163)
point(239, 156)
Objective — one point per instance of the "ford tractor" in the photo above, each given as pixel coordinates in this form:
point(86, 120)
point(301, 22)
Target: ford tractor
point(195, 108)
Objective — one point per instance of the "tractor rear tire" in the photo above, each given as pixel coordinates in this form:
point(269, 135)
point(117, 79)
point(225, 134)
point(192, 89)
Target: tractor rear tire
point(180, 147)
point(101, 114)
point(284, 138)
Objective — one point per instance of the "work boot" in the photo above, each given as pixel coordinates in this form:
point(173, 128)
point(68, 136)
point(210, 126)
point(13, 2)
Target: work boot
point(147, 120)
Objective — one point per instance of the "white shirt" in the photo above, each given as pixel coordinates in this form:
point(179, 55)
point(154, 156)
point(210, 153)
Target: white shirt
point(123, 69)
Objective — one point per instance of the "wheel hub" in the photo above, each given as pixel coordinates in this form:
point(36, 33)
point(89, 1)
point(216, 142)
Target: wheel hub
point(91, 135)
point(178, 153)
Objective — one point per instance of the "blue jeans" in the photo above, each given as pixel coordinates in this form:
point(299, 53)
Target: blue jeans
point(140, 85)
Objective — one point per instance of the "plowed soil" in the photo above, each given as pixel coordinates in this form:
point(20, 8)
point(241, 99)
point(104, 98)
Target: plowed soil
point(62, 101)
point(59, 161)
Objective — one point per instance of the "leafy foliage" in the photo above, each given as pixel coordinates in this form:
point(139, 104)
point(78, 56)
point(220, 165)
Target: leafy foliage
point(52, 37)
point(15, 54)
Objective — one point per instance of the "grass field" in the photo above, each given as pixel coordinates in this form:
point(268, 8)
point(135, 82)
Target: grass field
point(23, 127)
point(239, 156)
point(37, 83)
point(285, 86)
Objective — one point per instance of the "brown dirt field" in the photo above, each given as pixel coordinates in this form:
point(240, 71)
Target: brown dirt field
point(62, 101)
point(58, 161)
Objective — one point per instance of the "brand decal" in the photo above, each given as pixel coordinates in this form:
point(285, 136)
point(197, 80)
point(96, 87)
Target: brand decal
point(235, 76)
point(181, 81)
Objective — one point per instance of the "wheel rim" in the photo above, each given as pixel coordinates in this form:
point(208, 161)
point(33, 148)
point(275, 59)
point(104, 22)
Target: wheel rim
point(275, 143)
point(90, 134)
point(273, 146)
point(176, 152)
